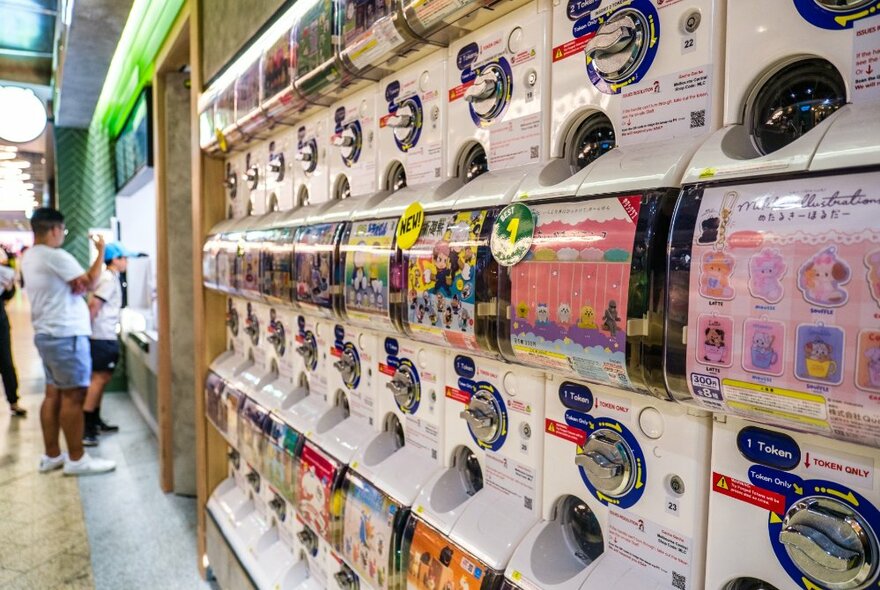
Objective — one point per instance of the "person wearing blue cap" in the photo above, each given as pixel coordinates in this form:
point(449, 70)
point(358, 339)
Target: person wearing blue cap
point(105, 304)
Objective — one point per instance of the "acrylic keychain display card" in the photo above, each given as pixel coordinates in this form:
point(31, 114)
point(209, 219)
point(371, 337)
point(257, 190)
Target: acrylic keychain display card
point(569, 294)
point(795, 266)
point(314, 264)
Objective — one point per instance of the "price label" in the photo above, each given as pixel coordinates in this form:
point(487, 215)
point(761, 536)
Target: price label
point(512, 234)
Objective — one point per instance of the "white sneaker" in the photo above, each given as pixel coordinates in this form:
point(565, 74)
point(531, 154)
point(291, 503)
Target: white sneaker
point(48, 463)
point(88, 465)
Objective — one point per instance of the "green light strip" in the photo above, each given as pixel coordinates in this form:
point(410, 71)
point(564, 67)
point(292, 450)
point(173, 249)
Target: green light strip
point(133, 61)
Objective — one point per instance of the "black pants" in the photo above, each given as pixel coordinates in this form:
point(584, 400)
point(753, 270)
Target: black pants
point(7, 368)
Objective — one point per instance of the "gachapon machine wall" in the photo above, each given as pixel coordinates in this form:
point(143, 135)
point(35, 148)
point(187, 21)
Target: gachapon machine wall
point(443, 21)
point(311, 182)
point(277, 156)
point(372, 532)
point(489, 493)
point(412, 125)
point(634, 72)
point(772, 309)
point(497, 83)
point(281, 102)
point(374, 40)
point(354, 141)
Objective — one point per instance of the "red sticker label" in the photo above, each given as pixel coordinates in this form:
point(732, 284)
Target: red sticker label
point(569, 48)
point(386, 369)
point(337, 352)
point(383, 120)
point(458, 91)
point(458, 395)
point(746, 492)
point(566, 432)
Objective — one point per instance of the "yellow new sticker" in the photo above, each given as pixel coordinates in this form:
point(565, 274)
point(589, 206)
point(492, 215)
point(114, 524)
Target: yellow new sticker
point(410, 226)
point(221, 140)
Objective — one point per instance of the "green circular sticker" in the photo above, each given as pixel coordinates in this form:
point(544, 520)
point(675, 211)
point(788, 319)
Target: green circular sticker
point(512, 234)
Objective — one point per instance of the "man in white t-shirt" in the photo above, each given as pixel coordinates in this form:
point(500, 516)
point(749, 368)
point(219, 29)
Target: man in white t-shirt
point(56, 284)
point(105, 304)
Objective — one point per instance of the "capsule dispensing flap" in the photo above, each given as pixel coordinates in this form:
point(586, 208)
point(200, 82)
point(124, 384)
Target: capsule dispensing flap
point(317, 486)
point(581, 298)
point(433, 562)
point(774, 300)
point(276, 266)
point(371, 264)
point(451, 282)
point(372, 531)
point(315, 258)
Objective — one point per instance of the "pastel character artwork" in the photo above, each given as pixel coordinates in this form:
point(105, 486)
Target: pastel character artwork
point(766, 269)
point(873, 356)
point(611, 319)
point(715, 271)
point(763, 355)
point(821, 279)
point(714, 344)
point(542, 314)
point(563, 314)
point(587, 318)
point(818, 360)
point(443, 279)
point(872, 261)
point(522, 310)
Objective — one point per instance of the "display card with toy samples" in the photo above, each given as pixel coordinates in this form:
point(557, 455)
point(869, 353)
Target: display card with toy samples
point(784, 304)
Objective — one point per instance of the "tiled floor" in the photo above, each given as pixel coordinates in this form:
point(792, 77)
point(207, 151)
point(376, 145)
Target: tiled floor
point(105, 532)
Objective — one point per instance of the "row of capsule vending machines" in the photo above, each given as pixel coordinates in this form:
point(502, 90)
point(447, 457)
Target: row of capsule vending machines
point(572, 295)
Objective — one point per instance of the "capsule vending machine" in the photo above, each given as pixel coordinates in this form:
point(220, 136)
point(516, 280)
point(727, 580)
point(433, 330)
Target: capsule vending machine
point(412, 128)
point(634, 72)
point(352, 157)
point(586, 302)
point(772, 316)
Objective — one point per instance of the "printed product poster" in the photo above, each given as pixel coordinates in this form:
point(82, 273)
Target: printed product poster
point(224, 110)
point(233, 399)
point(226, 266)
point(674, 105)
point(570, 292)
point(442, 279)
point(214, 386)
point(314, 264)
point(866, 61)
point(436, 564)
point(247, 90)
point(314, 46)
point(277, 263)
point(249, 268)
point(785, 304)
point(368, 532)
point(317, 473)
point(276, 66)
point(367, 38)
point(368, 253)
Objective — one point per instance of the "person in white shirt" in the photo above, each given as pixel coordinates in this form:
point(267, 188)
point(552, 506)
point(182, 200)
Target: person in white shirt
point(56, 284)
point(104, 306)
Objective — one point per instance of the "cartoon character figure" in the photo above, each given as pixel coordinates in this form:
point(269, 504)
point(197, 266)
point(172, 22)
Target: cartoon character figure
point(455, 304)
point(312, 499)
point(466, 291)
point(249, 276)
point(441, 303)
point(763, 355)
point(820, 279)
point(365, 530)
point(440, 258)
point(709, 230)
point(359, 282)
point(447, 317)
point(468, 260)
point(542, 314)
point(522, 310)
point(318, 281)
point(420, 313)
point(715, 274)
point(873, 356)
point(464, 320)
point(818, 359)
point(765, 273)
point(611, 319)
point(872, 261)
point(563, 314)
point(714, 346)
point(587, 318)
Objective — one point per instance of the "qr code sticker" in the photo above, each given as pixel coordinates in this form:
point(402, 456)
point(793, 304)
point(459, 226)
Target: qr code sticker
point(533, 152)
point(528, 503)
point(698, 118)
point(679, 582)
point(434, 454)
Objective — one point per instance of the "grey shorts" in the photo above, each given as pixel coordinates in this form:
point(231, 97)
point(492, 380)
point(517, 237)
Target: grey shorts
point(67, 361)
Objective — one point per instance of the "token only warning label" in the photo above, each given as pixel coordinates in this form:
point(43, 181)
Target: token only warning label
point(746, 492)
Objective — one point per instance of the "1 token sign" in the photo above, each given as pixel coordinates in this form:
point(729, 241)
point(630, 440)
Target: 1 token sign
point(512, 234)
point(410, 226)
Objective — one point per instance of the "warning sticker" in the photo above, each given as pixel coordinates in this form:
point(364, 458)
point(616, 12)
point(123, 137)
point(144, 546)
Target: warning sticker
point(458, 395)
point(844, 468)
point(866, 62)
point(746, 492)
point(565, 432)
point(570, 48)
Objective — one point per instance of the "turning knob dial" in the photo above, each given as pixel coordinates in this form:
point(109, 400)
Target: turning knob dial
point(619, 45)
point(403, 387)
point(252, 176)
point(347, 365)
point(309, 540)
point(483, 416)
point(608, 462)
